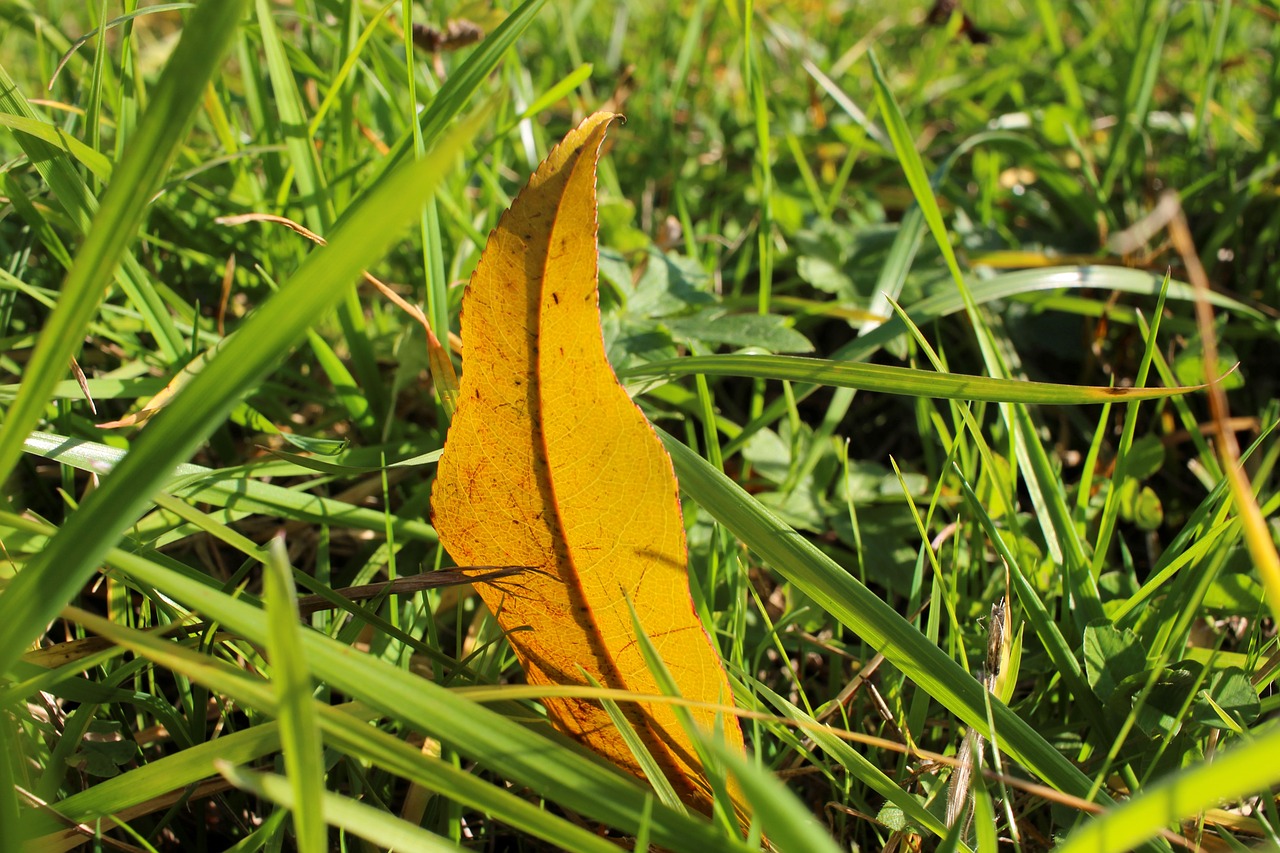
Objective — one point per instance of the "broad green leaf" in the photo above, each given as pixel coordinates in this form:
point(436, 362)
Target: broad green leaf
point(1110, 656)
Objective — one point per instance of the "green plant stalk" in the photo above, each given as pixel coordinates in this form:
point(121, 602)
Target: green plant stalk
point(308, 172)
point(228, 487)
point(464, 81)
point(346, 728)
point(564, 775)
point(949, 302)
point(1111, 506)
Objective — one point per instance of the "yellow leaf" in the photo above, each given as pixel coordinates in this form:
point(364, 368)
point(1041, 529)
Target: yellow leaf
point(549, 464)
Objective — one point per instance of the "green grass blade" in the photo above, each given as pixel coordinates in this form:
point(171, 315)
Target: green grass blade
point(917, 178)
point(893, 380)
point(10, 833)
point(233, 488)
point(386, 831)
point(465, 81)
point(345, 727)
point(308, 173)
point(1046, 629)
point(303, 156)
point(1153, 20)
point(519, 753)
point(1009, 285)
point(291, 677)
point(859, 766)
point(1111, 505)
point(662, 787)
point(121, 794)
point(94, 161)
point(787, 823)
point(1251, 766)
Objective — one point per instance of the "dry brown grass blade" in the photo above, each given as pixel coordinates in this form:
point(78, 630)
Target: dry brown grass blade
point(1253, 525)
point(411, 584)
point(442, 371)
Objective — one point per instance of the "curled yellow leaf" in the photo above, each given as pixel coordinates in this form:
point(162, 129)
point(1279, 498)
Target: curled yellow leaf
point(549, 464)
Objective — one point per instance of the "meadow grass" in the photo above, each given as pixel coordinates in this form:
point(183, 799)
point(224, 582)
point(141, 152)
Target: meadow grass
point(896, 566)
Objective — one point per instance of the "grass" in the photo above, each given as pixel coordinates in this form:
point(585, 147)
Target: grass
point(842, 181)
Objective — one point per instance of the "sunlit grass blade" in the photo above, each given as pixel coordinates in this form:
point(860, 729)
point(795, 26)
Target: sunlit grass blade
point(362, 398)
point(1249, 767)
point(893, 380)
point(1008, 285)
point(662, 788)
point(1111, 506)
point(519, 753)
point(725, 800)
point(234, 489)
point(917, 178)
point(1143, 66)
point(378, 827)
point(344, 727)
point(859, 766)
point(94, 161)
point(1038, 473)
point(291, 678)
point(786, 822)
point(154, 785)
point(465, 81)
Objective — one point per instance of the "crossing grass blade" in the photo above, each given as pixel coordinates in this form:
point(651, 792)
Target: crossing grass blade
point(559, 773)
point(1250, 767)
point(1023, 283)
point(364, 821)
point(38, 592)
point(299, 732)
point(893, 380)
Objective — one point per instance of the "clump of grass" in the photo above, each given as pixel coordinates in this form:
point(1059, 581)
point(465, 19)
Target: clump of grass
point(857, 184)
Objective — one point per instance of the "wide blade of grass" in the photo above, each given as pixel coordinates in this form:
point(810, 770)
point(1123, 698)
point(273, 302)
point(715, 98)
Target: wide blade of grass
point(345, 728)
point(893, 380)
point(518, 753)
point(464, 81)
point(1250, 767)
point(94, 161)
point(236, 489)
point(1005, 286)
point(787, 823)
point(291, 677)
